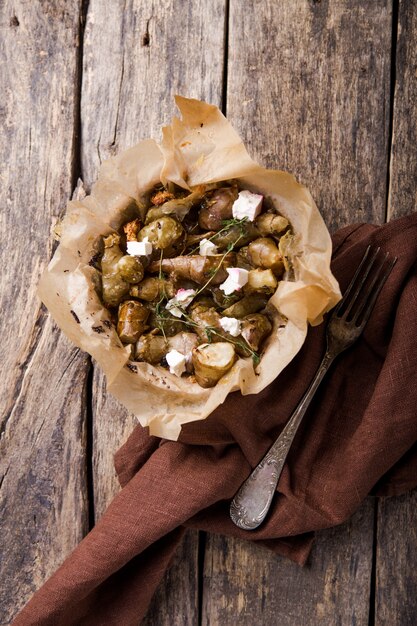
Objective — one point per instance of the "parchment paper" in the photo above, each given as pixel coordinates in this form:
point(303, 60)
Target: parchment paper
point(202, 147)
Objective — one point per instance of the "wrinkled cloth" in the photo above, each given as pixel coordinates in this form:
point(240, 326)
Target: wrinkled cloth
point(358, 437)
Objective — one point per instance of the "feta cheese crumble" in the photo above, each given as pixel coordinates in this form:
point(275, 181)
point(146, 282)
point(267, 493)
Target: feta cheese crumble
point(238, 277)
point(176, 362)
point(247, 205)
point(181, 300)
point(139, 248)
point(231, 325)
point(207, 248)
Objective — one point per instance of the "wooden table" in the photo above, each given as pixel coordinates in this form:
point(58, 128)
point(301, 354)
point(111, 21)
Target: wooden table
point(325, 89)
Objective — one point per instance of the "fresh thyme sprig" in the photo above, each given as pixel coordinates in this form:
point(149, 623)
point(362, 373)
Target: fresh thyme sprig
point(234, 221)
point(244, 346)
point(212, 330)
point(229, 248)
point(159, 315)
point(227, 225)
point(187, 320)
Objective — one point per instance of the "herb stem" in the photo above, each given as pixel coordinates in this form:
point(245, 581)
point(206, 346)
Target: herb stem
point(228, 225)
point(162, 298)
point(230, 247)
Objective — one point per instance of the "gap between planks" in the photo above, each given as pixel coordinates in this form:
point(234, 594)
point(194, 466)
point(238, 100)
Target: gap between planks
point(393, 77)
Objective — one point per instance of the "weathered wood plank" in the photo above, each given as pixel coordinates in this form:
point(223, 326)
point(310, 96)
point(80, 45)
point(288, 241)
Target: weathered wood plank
point(136, 57)
point(396, 572)
point(309, 89)
point(396, 562)
point(309, 92)
point(402, 198)
point(176, 601)
point(245, 585)
point(42, 399)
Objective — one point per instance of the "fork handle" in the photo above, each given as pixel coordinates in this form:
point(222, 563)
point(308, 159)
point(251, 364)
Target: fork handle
point(251, 503)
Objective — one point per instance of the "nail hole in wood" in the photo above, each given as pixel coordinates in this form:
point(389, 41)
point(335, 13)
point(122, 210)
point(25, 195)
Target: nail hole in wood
point(14, 22)
point(146, 40)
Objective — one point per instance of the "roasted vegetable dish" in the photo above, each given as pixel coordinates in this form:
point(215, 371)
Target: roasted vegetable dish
point(187, 281)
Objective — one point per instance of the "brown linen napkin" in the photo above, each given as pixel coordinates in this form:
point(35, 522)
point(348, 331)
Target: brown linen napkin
point(360, 435)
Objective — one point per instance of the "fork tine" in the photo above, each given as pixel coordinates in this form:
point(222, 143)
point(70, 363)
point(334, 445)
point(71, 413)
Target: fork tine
point(352, 282)
point(373, 292)
point(366, 292)
point(360, 283)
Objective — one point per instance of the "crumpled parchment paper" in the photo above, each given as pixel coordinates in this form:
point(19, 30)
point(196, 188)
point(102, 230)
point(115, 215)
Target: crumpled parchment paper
point(202, 147)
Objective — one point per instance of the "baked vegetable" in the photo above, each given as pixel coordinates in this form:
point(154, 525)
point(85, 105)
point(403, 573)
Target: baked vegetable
point(211, 361)
point(130, 269)
point(114, 287)
point(151, 348)
point(177, 206)
point(255, 328)
point(196, 297)
point(248, 304)
point(264, 253)
point(237, 234)
point(132, 320)
point(217, 207)
point(271, 224)
point(261, 281)
point(197, 268)
point(152, 289)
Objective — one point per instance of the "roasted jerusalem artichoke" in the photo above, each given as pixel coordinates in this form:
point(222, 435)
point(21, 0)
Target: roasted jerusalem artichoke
point(211, 361)
point(178, 207)
point(173, 301)
point(130, 269)
point(198, 268)
point(152, 289)
point(217, 207)
point(255, 328)
point(132, 320)
point(248, 304)
point(264, 253)
point(114, 287)
point(261, 281)
point(271, 224)
point(162, 233)
point(151, 348)
point(238, 234)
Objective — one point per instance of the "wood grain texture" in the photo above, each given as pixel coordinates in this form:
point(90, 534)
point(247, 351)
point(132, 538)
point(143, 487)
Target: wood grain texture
point(246, 585)
point(402, 198)
point(175, 602)
point(396, 562)
point(42, 400)
point(311, 95)
point(309, 89)
point(136, 57)
point(396, 573)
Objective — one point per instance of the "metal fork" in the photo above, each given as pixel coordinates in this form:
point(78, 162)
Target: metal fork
point(251, 503)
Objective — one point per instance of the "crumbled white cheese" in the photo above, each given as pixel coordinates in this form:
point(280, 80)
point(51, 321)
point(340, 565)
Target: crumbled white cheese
point(247, 205)
point(176, 362)
point(207, 248)
point(181, 300)
point(139, 248)
point(238, 277)
point(231, 325)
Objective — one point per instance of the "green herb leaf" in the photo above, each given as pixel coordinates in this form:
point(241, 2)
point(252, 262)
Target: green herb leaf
point(256, 359)
point(233, 222)
point(209, 334)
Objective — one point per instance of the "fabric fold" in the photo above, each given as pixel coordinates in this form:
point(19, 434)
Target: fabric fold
point(358, 437)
